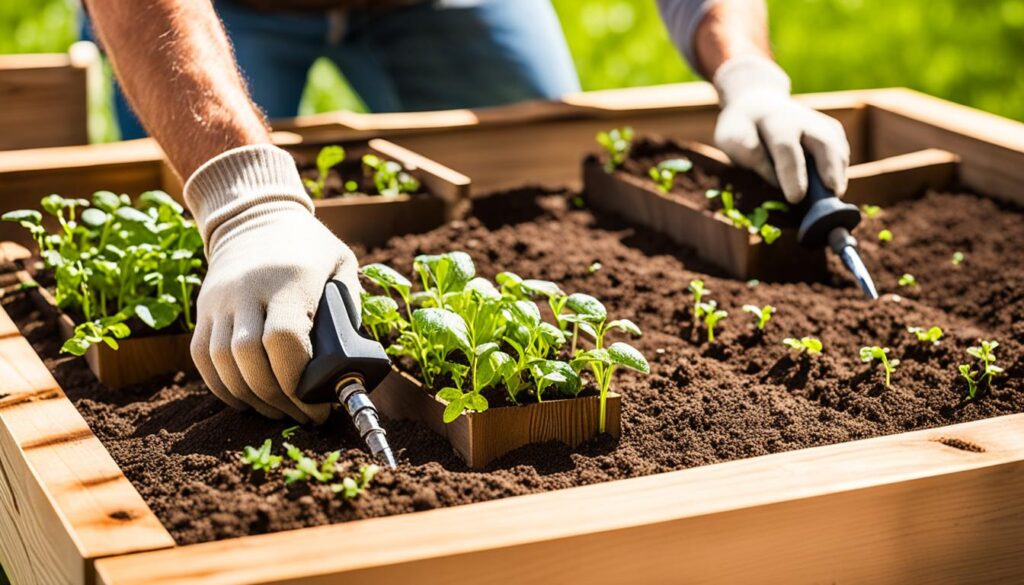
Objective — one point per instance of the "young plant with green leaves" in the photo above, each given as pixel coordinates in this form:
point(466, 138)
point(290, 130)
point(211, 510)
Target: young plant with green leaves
point(869, 354)
point(712, 316)
point(761, 314)
point(907, 280)
point(664, 174)
point(352, 487)
point(756, 222)
point(616, 142)
point(986, 370)
point(262, 458)
point(466, 335)
point(931, 335)
point(113, 261)
point(328, 157)
point(811, 345)
point(958, 258)
point(389, 177)
point(870, 210)
point(304, 468)
point(698, 291)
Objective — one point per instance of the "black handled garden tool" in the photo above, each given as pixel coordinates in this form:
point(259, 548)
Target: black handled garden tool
point(828, 220)
point(346, 367)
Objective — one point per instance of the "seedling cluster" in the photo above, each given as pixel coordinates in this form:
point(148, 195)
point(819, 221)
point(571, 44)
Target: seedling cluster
point(868, 354)
point(706, 310)
point(303, 468)
point(389, 177)
point(616, 142)
point(907, 280)
point(114, 261)
point(811, 345)
point(466, 334)
point(664, 174)
point(984, 370)
point(931, 335)
point(756, 222)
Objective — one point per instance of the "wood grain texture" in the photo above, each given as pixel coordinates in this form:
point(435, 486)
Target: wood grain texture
point(136, 360)
point(991, 147)
point(712, 237)
point(896, 178)
point(63, 500)
point(372, 219)
point(44, 100)
point(906, 508)
point(480, 438)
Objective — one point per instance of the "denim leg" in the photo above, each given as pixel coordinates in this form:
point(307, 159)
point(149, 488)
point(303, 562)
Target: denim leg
point(463, 54)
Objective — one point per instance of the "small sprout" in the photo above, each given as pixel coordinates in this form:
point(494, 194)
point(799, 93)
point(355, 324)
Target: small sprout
point(756, 222)
point(616, 143)
point(594, 267)
point(985, 354)
point(287, 433)
point(885, 236)
point(712, 315)
point(812, 345)
point(665, 173)
point(870, 210)
point(907, 280)
point(351, 186)
point(762, 315)
point(351, 487)
point(930, 335)
point(389, 177)
point(770, 233)
point(698, 291)
point(261, 459)
point(867, 354)
point(307, 468)
point(327, 158)
point(958, 258)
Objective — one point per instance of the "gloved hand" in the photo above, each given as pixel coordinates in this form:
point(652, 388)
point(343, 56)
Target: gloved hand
point(269, 260)
point(760, 118)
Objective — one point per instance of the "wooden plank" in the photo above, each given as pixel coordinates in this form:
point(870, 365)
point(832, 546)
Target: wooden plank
point(63, 498)
point(896, 178)
point(480, 438)
point(44, 99)
point(906, 508)
point(991, 147)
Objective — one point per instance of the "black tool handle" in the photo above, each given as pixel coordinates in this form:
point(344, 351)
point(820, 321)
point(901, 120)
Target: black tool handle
point(823, 211)
point(339, 349)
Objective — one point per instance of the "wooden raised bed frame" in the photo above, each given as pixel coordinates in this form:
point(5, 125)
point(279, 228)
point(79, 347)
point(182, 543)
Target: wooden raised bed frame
point(937, 505)
point(481, 437)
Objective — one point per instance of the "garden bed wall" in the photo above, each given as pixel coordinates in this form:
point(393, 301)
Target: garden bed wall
point(45, 97)
point(933, 505)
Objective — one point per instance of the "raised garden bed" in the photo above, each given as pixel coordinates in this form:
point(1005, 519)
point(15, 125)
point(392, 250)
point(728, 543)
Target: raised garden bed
point(924, 505)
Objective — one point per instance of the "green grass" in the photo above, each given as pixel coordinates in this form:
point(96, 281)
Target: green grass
point(967, 51)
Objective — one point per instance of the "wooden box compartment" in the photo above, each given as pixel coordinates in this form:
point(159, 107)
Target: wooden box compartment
point(935, 505)
point(481, 437)
point(737, 252)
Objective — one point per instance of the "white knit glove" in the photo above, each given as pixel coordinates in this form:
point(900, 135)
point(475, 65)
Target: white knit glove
point(760, 118)
point(269, 260)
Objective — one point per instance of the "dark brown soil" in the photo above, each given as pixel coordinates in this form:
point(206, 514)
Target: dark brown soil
point(348, 170)
point(744, 396)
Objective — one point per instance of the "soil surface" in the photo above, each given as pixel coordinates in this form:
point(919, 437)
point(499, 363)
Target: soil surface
point(745, 395)
point(351, 169)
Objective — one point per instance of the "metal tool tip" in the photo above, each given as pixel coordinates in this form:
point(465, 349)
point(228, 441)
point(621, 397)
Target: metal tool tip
point(387, 458)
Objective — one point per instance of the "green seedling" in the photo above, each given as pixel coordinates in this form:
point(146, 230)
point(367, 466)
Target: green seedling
point(389, 177)
point(907, 280)
point(289, 432)
point(870, 210)
point(885, 236)
point(868, 354)
point(756, 222)
point(958, 258)
point(307, 468)
point(326, 159)
point(113, 260)
point(665, 173)
point(698, 291)
point(603, 363)
point(712, 316)
point(352, 487)
point(465, 334)
point(812, 345)
point(261, 459)
point(616, 142)
point(762, 314)
point(987, 368)
point(594, 267)
point(931, 335)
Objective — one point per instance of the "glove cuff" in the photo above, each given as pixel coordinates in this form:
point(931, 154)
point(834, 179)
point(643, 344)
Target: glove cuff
point(240, 179)
point(749, 74)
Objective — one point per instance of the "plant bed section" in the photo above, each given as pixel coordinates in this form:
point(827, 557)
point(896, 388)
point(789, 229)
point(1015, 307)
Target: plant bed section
point(743, 396)
point(481, 437)
point(688, 216)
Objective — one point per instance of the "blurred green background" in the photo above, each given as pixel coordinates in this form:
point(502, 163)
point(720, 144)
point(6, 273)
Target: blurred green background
point(968, 51)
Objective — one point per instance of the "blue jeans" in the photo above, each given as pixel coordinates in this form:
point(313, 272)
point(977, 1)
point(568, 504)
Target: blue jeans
point(422, 57)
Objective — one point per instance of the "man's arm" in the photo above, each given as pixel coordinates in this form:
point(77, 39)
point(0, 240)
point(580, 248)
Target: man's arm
point(760, 127)
point(269, 258)
point(175, 65)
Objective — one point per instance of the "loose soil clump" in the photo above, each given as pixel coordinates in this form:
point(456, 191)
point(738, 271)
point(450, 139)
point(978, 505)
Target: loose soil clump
point(744, 396)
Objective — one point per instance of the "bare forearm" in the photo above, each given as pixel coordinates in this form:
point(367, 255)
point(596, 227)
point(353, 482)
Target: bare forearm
point(175, 65)
point(731, 28)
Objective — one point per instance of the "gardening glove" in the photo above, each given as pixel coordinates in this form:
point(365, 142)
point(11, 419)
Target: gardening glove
point(762, 128)
point(269, 260)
